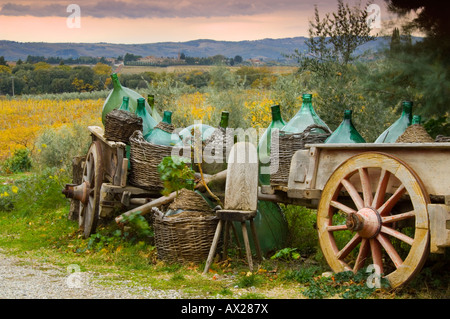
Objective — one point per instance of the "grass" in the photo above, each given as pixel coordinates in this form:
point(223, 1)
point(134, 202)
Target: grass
point(45, 234)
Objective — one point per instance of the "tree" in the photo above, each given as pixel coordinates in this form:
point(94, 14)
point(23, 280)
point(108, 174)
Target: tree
point(432, 15)
point(336, 37)
point(2, 60)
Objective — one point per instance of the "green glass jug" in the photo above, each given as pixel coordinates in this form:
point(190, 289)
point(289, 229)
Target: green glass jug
point(417, 119)
point(125, 103)
point(346, 132)
point(115, 98)
point(265, 143)
point(391, 134)
point(162, 135)
point(305, 117)
point(148, 122)
point(154, 113)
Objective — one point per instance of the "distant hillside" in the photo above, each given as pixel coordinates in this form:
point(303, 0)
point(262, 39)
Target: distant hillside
point(266, 49)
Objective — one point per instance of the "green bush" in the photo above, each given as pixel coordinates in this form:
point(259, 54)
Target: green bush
point(19, 162)
point(57, 147)
point(40, 192)
point(302, 229)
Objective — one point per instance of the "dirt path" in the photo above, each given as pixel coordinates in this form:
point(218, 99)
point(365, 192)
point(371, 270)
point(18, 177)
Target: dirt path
point(29, 279)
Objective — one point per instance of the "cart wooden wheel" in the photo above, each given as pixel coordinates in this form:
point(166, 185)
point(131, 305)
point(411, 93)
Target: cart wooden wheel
point(373, 211)
point(92, 179)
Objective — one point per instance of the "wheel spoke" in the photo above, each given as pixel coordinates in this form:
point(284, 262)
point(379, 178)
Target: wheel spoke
point(390, 203)
point(394, 233)
point(362, 255)
point(366, 187)
point(381, 189)
point(349, 247)
point(336, 228)
point(387, 245)
point(397, 217)
point(353, 193)
point(342, 207)
point(375, 249)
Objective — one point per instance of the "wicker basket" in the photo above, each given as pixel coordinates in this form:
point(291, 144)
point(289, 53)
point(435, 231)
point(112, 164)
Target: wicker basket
point(144, 160)
point(442, 139)
point(187, 236)
point(120, 125)
point(215, 151)
point(283, 147)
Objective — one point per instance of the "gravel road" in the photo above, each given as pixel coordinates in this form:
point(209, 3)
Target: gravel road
point(29, 279)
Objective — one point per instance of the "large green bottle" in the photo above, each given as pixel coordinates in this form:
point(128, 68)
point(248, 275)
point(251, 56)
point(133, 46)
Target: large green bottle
point(391, 134)
point(161, 134)
point(265, 143)
point(346, 132)
point(125, 103)
point(305, 117)
point(115, 98)
point(148, 122)
point(154, 113)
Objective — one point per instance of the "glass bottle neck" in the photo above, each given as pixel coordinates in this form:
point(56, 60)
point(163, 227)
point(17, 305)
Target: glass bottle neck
point(276, 113)
point(224, 120)
point(167, 117)
point(115, 81)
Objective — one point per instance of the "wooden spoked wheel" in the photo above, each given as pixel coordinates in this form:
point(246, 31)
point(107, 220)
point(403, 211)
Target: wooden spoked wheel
point(92, 180)
point(373, 211)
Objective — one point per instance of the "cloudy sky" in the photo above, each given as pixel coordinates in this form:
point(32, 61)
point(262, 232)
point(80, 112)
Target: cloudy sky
point(148, 21)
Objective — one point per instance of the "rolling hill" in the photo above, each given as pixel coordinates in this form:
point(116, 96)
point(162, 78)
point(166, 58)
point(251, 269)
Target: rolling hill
point(267, 49)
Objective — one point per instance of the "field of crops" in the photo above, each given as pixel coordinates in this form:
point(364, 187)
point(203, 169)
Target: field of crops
point(21, 121)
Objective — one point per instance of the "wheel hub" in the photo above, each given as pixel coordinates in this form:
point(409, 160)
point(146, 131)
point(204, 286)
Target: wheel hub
point(366, 221)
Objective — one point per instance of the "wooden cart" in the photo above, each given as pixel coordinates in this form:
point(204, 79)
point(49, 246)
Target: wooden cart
point(103, 190)
point(385, 205)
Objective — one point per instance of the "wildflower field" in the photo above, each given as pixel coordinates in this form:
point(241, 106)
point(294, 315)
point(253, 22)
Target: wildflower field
point(22, 121)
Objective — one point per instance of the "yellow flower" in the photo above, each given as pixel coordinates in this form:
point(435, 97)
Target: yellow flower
point(5, 194)
point(14, 189)
point(44, 145)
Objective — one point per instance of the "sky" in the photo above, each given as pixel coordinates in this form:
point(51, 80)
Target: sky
point(150, 21)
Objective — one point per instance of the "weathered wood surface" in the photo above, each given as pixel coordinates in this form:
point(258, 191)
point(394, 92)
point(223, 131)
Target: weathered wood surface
point(241, 191)
point(311, 170)
point(439, 227)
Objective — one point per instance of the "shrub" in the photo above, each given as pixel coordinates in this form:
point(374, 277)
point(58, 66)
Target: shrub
point(57, 147)
point(19, 162)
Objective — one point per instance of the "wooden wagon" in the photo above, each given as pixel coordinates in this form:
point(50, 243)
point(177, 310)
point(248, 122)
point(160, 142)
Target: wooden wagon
point(101, 190)
point(385, 205)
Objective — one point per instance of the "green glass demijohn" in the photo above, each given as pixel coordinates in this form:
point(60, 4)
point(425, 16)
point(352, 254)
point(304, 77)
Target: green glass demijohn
point(265, 143)
point(305, 117)
point(391, 134)
point(417, 119)
point(154, 113)
point(125, 102)
point(148, 122)
point(159, 136)
point(115, 98)
point(345, 132)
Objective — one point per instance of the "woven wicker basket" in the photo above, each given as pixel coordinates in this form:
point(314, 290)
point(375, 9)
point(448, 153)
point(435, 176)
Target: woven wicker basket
point(120, 125)
point(187, 236)
point(442, 139)
point(144, 160)
point(283, 147)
